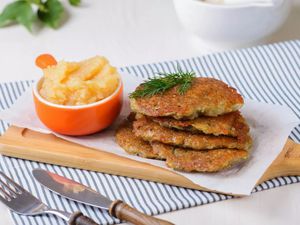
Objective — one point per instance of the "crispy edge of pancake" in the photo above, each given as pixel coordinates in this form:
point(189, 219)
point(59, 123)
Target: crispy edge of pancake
point(207, 96)
point(150, 131)
point(132, 144)
point(189, 160)
point(230, 124)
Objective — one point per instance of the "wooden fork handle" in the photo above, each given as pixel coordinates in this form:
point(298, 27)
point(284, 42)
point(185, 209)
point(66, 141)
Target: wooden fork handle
point(125, 212)
point(79, 219)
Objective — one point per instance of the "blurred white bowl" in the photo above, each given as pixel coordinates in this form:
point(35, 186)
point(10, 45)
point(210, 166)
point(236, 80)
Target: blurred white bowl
point(232, 23)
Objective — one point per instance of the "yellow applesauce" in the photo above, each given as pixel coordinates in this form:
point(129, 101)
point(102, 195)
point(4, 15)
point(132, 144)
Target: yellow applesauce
point(79, 83)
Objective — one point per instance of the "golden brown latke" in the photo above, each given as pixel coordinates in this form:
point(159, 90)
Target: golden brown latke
point(150, 131)
point(189, 160)
point(132, 144)
point(207, 96)
point(230, 124)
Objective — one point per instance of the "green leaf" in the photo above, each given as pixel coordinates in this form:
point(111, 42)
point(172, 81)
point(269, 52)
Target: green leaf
point(39, 4)
point(34, 1)
point(20, 12)
point(74, 2)
point(52, 14)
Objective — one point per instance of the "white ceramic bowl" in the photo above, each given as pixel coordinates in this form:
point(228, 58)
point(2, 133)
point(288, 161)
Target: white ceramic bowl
point(232, 24)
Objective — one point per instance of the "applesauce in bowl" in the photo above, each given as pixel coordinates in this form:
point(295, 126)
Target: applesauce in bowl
point(79, 83)
point(79, 98)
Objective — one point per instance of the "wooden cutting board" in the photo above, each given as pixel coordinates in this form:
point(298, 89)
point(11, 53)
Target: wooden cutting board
point(27, 144)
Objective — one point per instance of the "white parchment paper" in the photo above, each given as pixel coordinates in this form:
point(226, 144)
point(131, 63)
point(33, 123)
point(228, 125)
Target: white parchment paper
point(270, 127)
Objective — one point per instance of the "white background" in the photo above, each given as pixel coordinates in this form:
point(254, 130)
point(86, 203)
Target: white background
point(143, 31)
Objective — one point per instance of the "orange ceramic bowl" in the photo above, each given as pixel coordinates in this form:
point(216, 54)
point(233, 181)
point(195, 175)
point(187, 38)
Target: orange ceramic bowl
point(78, 120)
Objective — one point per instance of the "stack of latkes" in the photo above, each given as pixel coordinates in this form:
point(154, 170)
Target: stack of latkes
point(200, 130)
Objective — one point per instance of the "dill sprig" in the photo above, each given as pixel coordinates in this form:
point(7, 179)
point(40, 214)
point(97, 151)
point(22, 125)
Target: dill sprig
point(164, 82)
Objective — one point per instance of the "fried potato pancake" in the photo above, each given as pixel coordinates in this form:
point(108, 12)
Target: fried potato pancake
point(230, 124)
point(150, 131)
point(206, 96)
point(189, 160)
point(132, 144)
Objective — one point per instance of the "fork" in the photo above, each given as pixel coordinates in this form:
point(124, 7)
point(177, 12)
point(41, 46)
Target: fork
point(22, 202)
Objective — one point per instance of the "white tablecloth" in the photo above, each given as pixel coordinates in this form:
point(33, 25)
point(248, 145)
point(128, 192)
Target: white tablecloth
point(133, 32)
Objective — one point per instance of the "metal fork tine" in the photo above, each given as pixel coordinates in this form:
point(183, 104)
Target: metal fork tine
point(18, 188)
point(6, 195)
point(3, 199)
point(8, 188)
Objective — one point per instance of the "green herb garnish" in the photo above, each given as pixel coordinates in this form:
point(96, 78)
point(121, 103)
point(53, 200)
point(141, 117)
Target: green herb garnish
point(27, 12)
point(159, 85)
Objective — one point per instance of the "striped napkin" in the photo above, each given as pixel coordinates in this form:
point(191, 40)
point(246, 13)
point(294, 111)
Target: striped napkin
point(268, 74)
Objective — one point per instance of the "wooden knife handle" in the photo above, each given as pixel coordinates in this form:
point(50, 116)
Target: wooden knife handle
point(79, 219)
point(125, 212)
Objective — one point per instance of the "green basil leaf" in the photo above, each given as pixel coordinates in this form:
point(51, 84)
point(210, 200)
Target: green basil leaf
point(34, 1)
point(20, 12)
point(52, 14)
point(75, 2)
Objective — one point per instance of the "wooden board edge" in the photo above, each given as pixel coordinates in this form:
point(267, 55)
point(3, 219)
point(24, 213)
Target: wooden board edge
point(291, 168)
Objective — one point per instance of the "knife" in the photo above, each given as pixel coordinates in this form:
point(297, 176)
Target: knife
point(78, 192)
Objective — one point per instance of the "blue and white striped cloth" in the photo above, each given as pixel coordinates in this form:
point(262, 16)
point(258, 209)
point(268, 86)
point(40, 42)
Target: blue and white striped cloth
point(268, 73)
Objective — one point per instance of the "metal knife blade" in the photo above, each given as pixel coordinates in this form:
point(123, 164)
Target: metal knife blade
point(71, 189)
